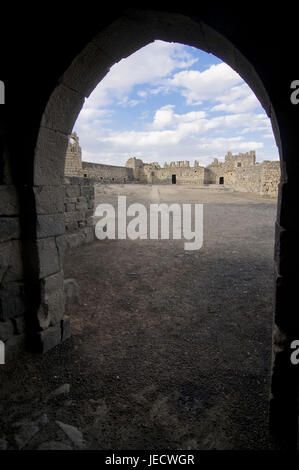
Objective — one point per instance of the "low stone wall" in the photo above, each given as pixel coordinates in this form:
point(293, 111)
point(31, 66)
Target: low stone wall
point(12, 289)
point(107, 173)
point(78, 210)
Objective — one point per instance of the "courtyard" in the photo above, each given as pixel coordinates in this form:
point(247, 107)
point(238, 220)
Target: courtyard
point(170, 349)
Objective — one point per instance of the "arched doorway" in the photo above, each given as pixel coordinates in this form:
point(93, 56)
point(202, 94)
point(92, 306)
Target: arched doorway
point(118, 40)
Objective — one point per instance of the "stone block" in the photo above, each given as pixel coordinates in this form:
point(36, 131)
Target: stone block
point(61, 244)
point(89, 213)
point(19, 325)
point(55, 304)
point(89, 234)
point(76, 216)
point(43, 316)
point(51, 283)
point(11, 266)
point(48, 164)
point(6, 330)
point(69, 207)
point(87, 191)
point(91, 203)
point(81, 206)
point(49, 199)
point(75, 239)
point(50, 225)
point(71, 227)
point(51, 309)
point(65, 328)
point(62, 109)
point(49, 262)
point(72, 190)
point(71, 290)
point(12, 301)
point(90, 221)
point(14, 346)
point(133, 33)
point(9, 204)
point(49, 338)
point(9, 228)
point(70, 200)
point(87, 70)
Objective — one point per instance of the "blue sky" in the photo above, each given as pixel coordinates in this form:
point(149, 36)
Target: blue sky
point(170, 102)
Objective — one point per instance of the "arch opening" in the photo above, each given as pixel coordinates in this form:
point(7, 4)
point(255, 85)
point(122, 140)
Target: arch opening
point(77, 83)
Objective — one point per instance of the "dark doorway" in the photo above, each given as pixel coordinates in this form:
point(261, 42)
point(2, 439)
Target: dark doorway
point(221, 180)
point(173, 179)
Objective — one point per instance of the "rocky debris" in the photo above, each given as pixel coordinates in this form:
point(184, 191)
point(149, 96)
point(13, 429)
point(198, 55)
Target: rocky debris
point(3, 444)
point(28, 429)
point(54, 445)
point(71, 291)
point(25, 434)
point(62, 390)
point(73, 433)
point(102, 410)
point(42, 420)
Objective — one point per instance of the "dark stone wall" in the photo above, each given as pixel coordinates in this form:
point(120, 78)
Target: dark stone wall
point(78, 211)
point(51, 61)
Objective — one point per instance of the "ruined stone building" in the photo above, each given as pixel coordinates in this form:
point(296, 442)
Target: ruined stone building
point(240, 172)
point(74, 166)
point(54, 87)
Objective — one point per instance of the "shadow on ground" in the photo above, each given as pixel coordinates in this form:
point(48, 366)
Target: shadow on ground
point(170, 349)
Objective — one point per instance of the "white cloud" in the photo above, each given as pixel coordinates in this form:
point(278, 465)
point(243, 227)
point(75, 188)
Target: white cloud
point(211, 84)
point(146, 66)
point(231, 119)
point(166, 116)
point(173, 136)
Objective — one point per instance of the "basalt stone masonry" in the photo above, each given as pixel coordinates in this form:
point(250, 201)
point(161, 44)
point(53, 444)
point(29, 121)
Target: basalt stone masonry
point(12, 289)
point(61, 69)
point(78, 210)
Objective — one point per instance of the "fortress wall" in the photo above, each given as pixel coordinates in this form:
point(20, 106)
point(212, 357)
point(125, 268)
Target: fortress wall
point(248, 179)
point(185, 175)
point(215, 172)
point(244, 159)
point(262, 178)
point(78, 210)
point(238, 171)
point(107, 173)
point(270, 178)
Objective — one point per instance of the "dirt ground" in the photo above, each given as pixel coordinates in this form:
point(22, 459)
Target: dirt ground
point(171, 349)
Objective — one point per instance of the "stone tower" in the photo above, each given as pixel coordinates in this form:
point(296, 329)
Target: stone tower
point(73, 160)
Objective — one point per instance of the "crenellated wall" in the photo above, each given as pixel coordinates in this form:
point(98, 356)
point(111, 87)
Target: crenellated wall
point(240, 172)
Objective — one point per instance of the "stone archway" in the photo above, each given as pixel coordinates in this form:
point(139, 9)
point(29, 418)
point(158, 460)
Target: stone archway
point(118, 40)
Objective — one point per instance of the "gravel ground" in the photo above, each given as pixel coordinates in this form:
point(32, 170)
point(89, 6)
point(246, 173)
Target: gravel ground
point(171, 349)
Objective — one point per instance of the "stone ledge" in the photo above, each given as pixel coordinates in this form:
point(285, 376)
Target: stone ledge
point(53, 336)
